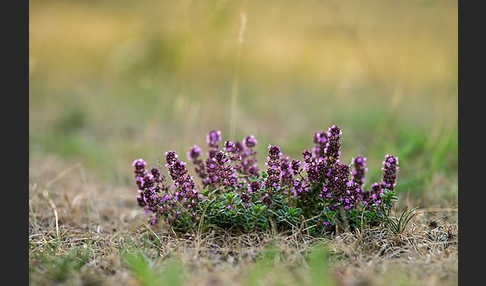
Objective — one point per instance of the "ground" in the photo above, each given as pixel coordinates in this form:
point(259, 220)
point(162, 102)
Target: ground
point(80, 232)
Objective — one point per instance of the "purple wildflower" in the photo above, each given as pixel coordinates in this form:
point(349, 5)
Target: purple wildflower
point(150, 186)
point(295, 165)
point(170, 157)
point(272, 181)
point(213, 137)
point(338, 187)
point(234, 149)
point(310, 166)
point(338, 182)
point(193, 155)
point(185, 192)
point(255, 186)
point(229, 146)
point(320, 140)
point(373, 196)
point(139, 171)
point(139, 164)
point(390, 170)
point(250, 141)
point(307, 156)
point(287, 176)
point(359, 171)
point(247, 156)
point(220, 171)
point(273, 167)
point(331, 151)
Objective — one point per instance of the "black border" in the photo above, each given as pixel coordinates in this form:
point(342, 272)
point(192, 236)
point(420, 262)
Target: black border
point(471, 154)
point(15, 131)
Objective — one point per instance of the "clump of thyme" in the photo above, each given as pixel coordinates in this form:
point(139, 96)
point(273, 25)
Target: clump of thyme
point(232, 192)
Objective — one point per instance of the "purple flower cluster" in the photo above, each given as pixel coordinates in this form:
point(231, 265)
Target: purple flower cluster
point(310, 166)
point(248, 164)
point(287, 176)
point(254, 188)
point(316, 168)
point(221, 166)
point(340, 191)
point(248, 191)
point(320, 140)
point(389, 181)
point(151, 187)
point(272, 181)
point(390, 171)
point(139, 171)
point(320, 179)
point(213, 137)
point(373, 196)
point(359, 170)
point(185, 191)
point(273, 167)
point(220, 170)
point(292, 177)
point(194, 155)
point(243, 155)
point(234, 150)
point(325, 154)
point(331, 151)
point(156, 196)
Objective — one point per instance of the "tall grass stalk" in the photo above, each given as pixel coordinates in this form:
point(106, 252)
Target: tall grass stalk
point(236, 75)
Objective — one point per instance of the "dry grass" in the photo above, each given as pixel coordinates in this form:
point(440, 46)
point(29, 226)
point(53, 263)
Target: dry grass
point(105, 220)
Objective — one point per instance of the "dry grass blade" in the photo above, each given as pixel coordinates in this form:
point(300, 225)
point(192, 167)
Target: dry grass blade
point(45, 194)
point(62, 174)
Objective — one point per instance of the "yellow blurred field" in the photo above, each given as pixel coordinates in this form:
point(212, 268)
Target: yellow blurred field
point(412, 43)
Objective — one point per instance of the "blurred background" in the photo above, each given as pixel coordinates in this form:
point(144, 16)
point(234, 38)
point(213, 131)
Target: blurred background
point(112, 81)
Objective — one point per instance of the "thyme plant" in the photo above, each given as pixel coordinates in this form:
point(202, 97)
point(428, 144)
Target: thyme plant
point(319, 191)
